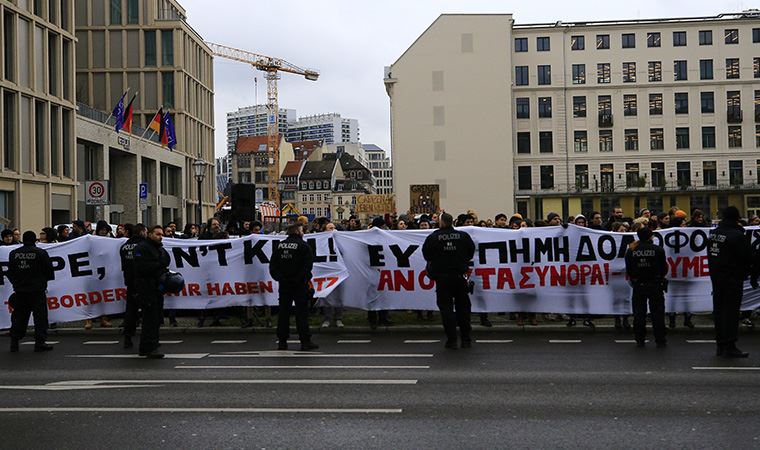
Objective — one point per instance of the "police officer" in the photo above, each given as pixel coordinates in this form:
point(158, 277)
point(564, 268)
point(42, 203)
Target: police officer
point(150, 262)
point(291, 264)
point(448, 253)
point(136, 234)
point(647, 267)
point(730, 261)
point(29, 273)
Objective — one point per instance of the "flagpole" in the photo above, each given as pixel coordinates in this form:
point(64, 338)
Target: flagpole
point(151, 121)
point(122, 96)
point(133, 114)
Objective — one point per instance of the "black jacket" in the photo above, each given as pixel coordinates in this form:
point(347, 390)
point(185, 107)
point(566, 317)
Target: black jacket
point(127, 253)
point(151, 261)
point(30, 269)
point(646, 263)
point(728, 253)
point(292, 261)
point(448, 252)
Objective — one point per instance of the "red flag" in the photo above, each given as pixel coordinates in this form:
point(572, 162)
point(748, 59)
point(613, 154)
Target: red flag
point(155, 124)
point(128, 116)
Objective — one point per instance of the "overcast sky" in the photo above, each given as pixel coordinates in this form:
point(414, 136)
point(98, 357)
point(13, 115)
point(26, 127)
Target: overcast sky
point(350, 41)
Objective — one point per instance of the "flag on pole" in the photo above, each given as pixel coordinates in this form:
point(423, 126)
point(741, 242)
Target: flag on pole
point(118, 112)
point(168, 136)
point(156, 123)
point(128, 115)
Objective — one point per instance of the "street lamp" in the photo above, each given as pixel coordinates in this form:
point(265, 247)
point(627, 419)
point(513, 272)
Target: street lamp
point(199, 166)
point(280, 188)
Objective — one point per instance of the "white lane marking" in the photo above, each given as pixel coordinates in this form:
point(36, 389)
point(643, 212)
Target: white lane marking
point(134, 356)
point(241, 341)
point(565, 341)
point(49, 387)
point(47, 342)
point(493, 341)
point(206, 410)
point(169, 342)
point(293, 341)
point(277, 354)
point(100, 342)
point(246, 381)
point(422, 341)
point(354, 341)
point(725, 368)
point(305, 367)
point(700, 341)
point(627, 341)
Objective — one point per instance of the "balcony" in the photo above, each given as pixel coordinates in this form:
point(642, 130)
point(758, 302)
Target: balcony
point(734, 115)
point(605, 120)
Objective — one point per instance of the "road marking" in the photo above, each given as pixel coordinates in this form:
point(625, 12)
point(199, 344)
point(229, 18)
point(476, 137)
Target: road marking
point(306, 367)
point(354, 341)
point(285, 354)
point(701, 341)
point(100, 342)
point(47, 342)
point(493, 341)
point(245, 381)
point(206, 410)
point(627, 341)
point(422, 341)
point(51, 387)
point(726, 368)
point(134, 356)
point(169, 342)
point(564, 341)
point(242, 341)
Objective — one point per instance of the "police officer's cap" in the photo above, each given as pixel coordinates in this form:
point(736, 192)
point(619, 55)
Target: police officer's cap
point(171, 282)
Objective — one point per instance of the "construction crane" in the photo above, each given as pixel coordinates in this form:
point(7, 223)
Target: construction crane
point(272, 67)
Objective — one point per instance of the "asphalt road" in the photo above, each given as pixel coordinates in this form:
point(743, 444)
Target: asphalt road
point(389, 390)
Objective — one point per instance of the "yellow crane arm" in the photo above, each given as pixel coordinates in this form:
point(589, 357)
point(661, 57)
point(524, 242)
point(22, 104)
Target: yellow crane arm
point(261, 62)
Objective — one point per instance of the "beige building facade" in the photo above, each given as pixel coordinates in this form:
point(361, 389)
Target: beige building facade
point(637, 113)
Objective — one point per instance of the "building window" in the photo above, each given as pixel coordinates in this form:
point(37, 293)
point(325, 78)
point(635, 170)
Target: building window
point(757, 136)
point(133, 12)
point(632, 175)
point(708, 137)
point(581, 176)
point(655, 104)
point(756, 67)
point(734, 137)
point(547, 177)
point(732, 36)
point(9, 130)
point(524, 178)
point(544, 75)
point(522, 107)
point(658, 174)
point(523, 142)
point(167, 86)
point(705, 69)
point(655, 71)
point(735, 173)
point(757, 106)
point(579, 106)
point(521, 45)
point(683, 174)
point(680, 72)
point(709, 173)
point(167, 48)
point(603, 73)
point(602, 41)
point(577, 43)
point(681, 102)
point(579, 74)
point(150, 48)
point(734, 107)
point(629, 72)
point(544, 107)
point(631, 139)
point(543, 44)
point(654, 40)
point(630, 107)
point(521, 75)
point(732, 68)
point(607, 174)
point(545, 142)
point(755, 35)
point(629, 40)
point(679, 39)
point(705, 37)
point(605, 140)
point(707, 101)
point(580, 141)
point(656, 139)
point(682, 137)
point(115, 12)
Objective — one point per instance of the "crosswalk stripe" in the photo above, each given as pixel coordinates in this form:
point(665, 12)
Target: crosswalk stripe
point(100, 342)
point(241, 341)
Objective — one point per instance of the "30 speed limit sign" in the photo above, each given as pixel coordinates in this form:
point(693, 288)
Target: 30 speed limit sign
point(96, 192)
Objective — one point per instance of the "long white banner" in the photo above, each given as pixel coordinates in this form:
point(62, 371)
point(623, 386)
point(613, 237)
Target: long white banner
point(553, 269)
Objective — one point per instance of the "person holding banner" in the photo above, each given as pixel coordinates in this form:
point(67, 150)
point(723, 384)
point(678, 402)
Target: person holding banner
point(291, 265)
point(150, 262)
point(448, 253)
point(646, 267)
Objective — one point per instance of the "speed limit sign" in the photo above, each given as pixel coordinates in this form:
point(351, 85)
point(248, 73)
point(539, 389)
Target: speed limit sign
point(96, 192)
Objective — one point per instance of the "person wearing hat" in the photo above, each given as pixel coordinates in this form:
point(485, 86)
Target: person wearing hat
point(150, 262)
point(553, 219)
point(730, 261)
point(646, 267)
point(29, 270)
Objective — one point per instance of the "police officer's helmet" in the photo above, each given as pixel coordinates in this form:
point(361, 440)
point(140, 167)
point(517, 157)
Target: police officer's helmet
point(171, 283)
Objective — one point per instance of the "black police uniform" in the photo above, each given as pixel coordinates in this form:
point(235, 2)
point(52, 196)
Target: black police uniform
point(646, 266)
point(291, 265)
point(448, 253)
point(127, 253)
point(150, 262)
point(730, 261)
point(29, 273)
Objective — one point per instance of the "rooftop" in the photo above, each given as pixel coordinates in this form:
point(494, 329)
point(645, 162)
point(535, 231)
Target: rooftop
point(318, 170)
point(746, 14)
